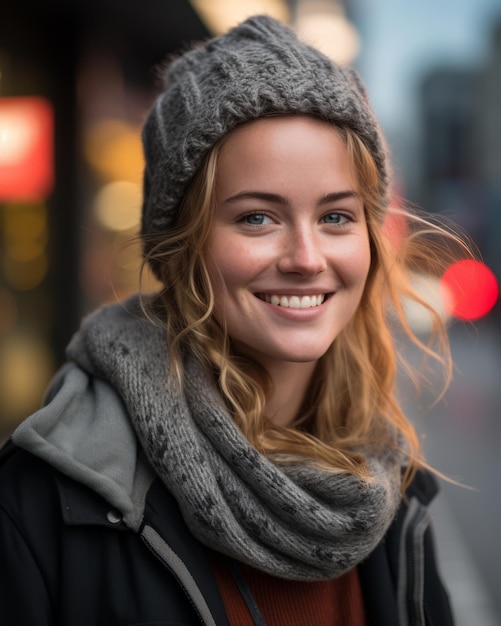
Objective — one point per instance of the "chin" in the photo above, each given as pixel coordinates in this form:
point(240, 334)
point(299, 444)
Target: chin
point(298, 356)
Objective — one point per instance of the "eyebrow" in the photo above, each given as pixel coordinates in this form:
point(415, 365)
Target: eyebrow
point(277, 199)
point(338, 195)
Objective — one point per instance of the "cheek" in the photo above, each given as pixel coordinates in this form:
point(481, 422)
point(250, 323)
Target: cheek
point(229, 266)
point(356, 264)
point(230, 263)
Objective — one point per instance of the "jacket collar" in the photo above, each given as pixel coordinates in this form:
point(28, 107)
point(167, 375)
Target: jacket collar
point(84, 431)
point(80, 506)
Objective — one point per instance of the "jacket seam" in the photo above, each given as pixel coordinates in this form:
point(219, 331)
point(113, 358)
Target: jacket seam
point(418, 546)
point(410, 591)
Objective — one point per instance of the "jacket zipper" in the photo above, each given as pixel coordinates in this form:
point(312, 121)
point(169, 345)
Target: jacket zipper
point(166, 555)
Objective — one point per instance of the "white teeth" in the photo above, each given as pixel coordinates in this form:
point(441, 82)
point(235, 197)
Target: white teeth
point(295, 302)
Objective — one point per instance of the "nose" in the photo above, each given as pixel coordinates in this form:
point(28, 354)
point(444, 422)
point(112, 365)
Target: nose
point(302, 253)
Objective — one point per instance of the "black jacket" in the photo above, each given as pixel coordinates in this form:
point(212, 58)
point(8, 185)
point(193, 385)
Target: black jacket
point(67, 559)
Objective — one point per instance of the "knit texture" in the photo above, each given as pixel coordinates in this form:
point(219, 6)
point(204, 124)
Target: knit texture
point(257, 68)
point(295, 522)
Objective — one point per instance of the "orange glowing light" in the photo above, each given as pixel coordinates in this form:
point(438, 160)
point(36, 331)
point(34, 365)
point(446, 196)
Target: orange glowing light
point(472, 289)
point(26, 148)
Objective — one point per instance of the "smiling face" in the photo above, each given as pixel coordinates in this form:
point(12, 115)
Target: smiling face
point(288, 253)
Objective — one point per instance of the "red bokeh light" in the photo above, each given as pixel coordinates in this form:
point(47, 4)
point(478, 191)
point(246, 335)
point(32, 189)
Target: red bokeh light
point(470, 289)
point(26, 148)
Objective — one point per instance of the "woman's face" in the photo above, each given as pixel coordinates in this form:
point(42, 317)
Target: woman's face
point(288, 252)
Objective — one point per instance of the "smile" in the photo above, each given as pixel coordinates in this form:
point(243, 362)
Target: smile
point(293, 302)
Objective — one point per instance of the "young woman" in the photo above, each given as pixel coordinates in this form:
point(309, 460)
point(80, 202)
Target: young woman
point(231, 450)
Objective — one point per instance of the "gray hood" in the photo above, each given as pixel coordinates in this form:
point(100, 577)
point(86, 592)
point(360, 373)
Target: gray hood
point(83, 430)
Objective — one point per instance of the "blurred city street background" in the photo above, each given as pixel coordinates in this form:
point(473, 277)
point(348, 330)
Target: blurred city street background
point(75, 82)
point(461, 438)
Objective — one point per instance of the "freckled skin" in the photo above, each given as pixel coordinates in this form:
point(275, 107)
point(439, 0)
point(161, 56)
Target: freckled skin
point(288, 222)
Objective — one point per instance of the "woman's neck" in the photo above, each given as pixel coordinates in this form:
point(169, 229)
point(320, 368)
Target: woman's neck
point(290, 384)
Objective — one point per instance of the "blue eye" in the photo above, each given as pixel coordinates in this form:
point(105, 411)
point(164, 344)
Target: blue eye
point(256, 219)
point(334, 218)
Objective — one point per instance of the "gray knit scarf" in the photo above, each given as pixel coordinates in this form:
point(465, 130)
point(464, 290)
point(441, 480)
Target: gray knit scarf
point(295, 522)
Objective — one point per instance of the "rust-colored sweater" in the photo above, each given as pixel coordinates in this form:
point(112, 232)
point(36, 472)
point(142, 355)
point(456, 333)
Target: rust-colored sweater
point(282, 602)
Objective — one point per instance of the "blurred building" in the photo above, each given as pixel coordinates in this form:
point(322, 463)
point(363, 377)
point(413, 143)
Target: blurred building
point(488, 124)
point(451, 182)
point(460, 156)
point(75, 81)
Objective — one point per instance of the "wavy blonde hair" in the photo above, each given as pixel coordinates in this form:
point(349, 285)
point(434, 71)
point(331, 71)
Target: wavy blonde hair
point(352, 400)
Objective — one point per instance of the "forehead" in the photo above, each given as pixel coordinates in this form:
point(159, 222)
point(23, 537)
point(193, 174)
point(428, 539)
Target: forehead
point(283, 126)
point(285, 152)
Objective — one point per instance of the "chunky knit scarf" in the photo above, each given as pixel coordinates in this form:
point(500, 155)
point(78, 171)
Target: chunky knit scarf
point(295, 522)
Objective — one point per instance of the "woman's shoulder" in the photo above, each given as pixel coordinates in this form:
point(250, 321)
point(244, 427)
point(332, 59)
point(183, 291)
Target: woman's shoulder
point(424, 487)
point(406, 562)
point(22, 471)
point(412, 520)
point(414, 505)
point(28, 485)
point(33, 493)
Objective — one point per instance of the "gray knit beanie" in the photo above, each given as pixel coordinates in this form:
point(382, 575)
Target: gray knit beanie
point(255, 69)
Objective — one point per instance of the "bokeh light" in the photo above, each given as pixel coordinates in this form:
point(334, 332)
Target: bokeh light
point(219, 15)
point(113, 149)
point(8, 311)
point(325, 25)
point(26, 148)
point(471, 288)
point(26, 366)
point(117, 205)
point(432, 292)
point(24, 258)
